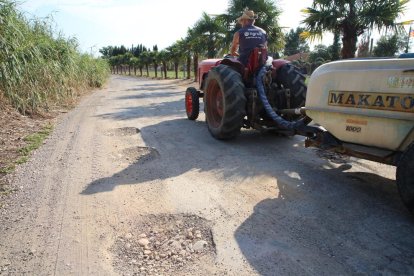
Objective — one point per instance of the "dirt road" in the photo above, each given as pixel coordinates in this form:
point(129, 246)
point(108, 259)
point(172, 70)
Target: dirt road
point(125, 179)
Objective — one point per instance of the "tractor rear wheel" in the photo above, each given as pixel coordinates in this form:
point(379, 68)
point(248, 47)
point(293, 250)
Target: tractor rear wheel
point(405, 177)
point(289, 77)
point(225, 102)
point(192, 103)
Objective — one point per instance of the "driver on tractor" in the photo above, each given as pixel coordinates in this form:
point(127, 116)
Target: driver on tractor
point(248, 37)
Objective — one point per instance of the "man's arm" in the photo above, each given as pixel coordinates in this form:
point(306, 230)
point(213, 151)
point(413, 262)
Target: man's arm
point(235, 45)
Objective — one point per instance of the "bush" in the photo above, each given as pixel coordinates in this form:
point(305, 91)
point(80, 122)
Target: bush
point(39, 67)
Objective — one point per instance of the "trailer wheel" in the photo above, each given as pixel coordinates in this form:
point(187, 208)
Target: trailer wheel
point(289, 77)
point(405, 177)
point(225, 102)
point(192, 103)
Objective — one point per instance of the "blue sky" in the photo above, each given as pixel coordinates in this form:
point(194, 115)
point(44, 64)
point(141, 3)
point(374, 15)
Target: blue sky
point(98, 23)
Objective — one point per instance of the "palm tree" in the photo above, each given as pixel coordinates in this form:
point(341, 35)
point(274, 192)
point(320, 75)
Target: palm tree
point(155, 58)
point(185, 48)
point(197, 45)
point(134, 63)
point(176, 54)
point(164, 56)
point(212, 32)
point(140, 64)
point(146, 59)
point(127, 61)
point(113, 62)
point(268, 15)
point(351, 18)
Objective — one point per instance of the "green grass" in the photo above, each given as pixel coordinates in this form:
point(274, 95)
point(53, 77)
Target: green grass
point(33, 142)
point(8, 169)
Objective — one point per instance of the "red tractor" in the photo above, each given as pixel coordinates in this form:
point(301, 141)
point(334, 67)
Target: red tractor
point(263, 95)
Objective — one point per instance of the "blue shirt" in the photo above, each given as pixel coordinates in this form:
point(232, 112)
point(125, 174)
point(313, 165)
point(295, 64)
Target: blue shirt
point(250, 37)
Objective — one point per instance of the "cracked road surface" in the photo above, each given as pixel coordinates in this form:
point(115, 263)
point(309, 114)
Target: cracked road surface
point(275, 207)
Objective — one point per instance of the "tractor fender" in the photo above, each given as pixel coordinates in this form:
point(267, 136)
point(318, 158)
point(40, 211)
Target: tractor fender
point(203, 69)
point(231, 62)
point(235, 64)
point(277, 63)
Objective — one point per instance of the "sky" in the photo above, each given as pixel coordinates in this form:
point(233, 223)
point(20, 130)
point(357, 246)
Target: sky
point(99, 23)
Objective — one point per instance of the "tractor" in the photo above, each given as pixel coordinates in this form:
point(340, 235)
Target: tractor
point(358, 107)
point(232, 100)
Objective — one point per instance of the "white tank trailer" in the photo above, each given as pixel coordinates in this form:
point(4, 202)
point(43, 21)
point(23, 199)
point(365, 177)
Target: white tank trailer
point(357, 107)
point(365, 108)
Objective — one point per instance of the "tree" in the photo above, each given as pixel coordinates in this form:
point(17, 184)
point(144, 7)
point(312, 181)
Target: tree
point(335, 48)
point(107, 51)
point(319, 53)
point(389, 45)
point(155, 60)
point(134, 63)
point(351, 18)
point(197, 45)
point(363, 47)
point(137, 50)
point(268, 15)
point(185, 49)
point(212, 31)
point(164, 57)
point(176, 54)
point(126, 60)
point(294, 43)
point(140, 64)
point(113, 62)
point(146, 59)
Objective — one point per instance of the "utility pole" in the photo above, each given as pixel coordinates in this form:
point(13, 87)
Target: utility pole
point(91, 49)
point(408, 39)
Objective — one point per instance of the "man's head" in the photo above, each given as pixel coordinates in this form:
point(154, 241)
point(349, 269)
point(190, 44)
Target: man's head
point(247, 18)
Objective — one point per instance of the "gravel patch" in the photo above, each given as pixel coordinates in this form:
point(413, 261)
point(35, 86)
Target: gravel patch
point(123, 131)
point(139, 154)
point(164, 245)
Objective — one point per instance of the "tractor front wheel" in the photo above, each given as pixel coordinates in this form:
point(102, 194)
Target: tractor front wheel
point(192, 103)
point(225, 102)
point(405, 177)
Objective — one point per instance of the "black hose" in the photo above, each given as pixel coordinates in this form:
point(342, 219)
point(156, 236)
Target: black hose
point(280, 122)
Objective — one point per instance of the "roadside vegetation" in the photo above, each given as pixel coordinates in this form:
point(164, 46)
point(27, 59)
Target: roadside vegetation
point(41, 71)
point(33, 141)
point(39, 67)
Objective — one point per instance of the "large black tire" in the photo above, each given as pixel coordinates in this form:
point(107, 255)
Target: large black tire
point(192, 103)
point(224, 102)
point(405, 177)
point(289, 77)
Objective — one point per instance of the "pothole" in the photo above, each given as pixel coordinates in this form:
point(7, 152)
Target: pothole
point(123, 131)
point(164, 244)
point(332, 156)
point(139, 154)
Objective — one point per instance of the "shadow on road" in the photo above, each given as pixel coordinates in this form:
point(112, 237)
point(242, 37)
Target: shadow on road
point(363, 230)
point(149, 95)
point(166, 108)
point(184, 145)
point(151, 87)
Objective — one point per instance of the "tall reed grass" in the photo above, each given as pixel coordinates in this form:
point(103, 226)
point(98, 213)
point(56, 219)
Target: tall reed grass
point(39, 67)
